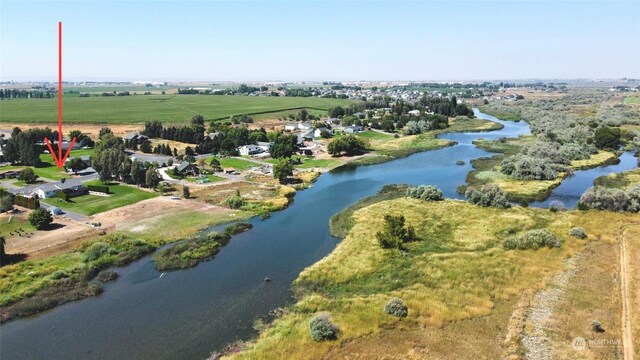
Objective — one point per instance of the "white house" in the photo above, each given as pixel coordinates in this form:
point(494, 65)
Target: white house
point(414, 112)
point(318, 132)
point(304, 126)
point(49, 190)
point(250, 150)
point(290, 127)
point(353, 129)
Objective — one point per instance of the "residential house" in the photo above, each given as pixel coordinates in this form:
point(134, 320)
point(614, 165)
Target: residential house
point(266, 146)
point(305, 126)
point(85, 158)
point(353, 129)
point(414, 112)
point(187, 169)
point(70, 186)
point(250, 150)
point(135, 136)
point(318, 132)
point(290, 127)
point(213, 135)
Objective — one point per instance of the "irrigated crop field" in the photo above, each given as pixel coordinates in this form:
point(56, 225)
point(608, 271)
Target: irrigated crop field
point(140, 108)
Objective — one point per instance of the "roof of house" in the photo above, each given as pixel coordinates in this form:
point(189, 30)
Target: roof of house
point(131, 136)
point(213, 135)
point(55, 186)
point(183, 166)
point(84, 158)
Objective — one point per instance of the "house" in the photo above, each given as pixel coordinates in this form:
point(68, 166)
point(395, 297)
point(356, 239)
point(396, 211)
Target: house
point(414, 112)
point(318, 132)
point(266, 146)
point(213, 135)
point(137, 137)
point(305, 126)
point(290, 127)
point(353, 129)
point(186, 168)
point(250, 150)
point(70, 186)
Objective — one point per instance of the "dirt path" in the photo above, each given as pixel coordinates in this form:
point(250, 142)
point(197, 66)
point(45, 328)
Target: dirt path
point(627, 333)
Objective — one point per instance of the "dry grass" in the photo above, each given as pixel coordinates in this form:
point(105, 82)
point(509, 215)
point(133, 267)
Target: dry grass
point(457, 274)
point(599, 159)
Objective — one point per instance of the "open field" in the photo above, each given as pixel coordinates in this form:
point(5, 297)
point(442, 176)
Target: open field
point(138, 109)
point(456, 279)
point(632, 100)
point(119, 195)
point(235, 163)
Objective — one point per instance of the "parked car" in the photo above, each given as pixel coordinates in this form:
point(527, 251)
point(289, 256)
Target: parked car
point(56, 211)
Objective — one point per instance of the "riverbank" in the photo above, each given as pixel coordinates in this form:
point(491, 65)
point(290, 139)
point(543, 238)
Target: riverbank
point(455, 277)
point(384, 150)
point(623, 181)
point(487, 170)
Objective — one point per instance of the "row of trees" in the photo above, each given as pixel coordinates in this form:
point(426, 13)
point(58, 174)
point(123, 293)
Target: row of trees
point(347, 145)
point(26, 94)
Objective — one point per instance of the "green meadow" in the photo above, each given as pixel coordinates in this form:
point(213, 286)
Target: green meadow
point(137, 109)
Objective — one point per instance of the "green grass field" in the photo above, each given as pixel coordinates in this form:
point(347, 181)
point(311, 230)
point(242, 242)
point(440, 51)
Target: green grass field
point(9, 224)
point(50, 170)
point(632, 100)
point(121, 195)
point(237, 164)
point(140, 108)
point(375, 135)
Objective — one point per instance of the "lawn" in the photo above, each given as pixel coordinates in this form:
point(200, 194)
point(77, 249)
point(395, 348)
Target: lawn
point(137, 109)
point(11, 223)
point(375, 135)
point(121, 195)
point(632, 100)
point(457, 270)
point(50, 169)
point(235, 163)
point(309, 163)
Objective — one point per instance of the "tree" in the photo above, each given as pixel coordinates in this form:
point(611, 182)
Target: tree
point(152, 177)
point(283, 146)
point(6, 202)
point(607, 138)
point(27, 175)
point(394, 233)
point(348, 144)
point(146, 147)
point(2, 253)
point(137, 173)
point(75, 164)
point(40, 218)
point(186, 193)
point(282, 170)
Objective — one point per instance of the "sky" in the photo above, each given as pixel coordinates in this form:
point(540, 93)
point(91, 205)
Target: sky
point(320, 40)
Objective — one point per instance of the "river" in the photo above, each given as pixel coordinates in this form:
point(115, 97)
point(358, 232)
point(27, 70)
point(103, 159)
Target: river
point(187, 314)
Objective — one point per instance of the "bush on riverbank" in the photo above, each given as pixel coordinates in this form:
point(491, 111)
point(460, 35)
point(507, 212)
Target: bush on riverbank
point(489, 195)
point(189, 253)
point(321, 328)
point(532, 239)
point(425, 192)
point(237, 228)
point(602, 198)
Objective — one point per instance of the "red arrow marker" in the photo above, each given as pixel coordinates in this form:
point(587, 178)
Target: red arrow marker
point(59, 159)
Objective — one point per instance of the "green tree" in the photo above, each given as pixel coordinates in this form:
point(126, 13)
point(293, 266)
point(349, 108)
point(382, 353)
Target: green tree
point(146, 147)
point(348, 144)
point(27, 175)
point(152, 177)
point(6, 202)
point(607, 138)
point(394, 233)
point(283, 146)
point(282, 170)
point(75, 164)
point(40, 218)
point(186, 193)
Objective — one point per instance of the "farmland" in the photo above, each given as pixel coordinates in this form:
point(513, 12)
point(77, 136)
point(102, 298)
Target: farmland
point(137, 109)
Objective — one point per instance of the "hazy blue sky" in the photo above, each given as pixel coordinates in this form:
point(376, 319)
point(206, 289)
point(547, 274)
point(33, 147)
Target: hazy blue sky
point(313, 40)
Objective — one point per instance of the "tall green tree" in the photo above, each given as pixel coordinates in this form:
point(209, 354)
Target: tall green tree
point(283, 170)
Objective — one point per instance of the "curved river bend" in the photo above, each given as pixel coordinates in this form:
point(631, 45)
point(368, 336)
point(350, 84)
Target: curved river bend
point(187, 314)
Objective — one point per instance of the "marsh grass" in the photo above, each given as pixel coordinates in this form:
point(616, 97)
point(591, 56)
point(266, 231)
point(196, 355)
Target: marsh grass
point(458, 271)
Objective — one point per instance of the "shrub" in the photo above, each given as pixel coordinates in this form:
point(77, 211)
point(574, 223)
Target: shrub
point(98, 188)
point(237, 228)
point(40, 218)
point(596, 326)
point(96, 251)
point(526, 167)
point(394, 233)
point(27, 175)
point(532, 239)
point(107, 275)
point(425, 192)
point(578, 232)
point(186, 193)
point(602, 198)
point(321, 328)
point(396, 307)
point(489, 195)
point(234, 202)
